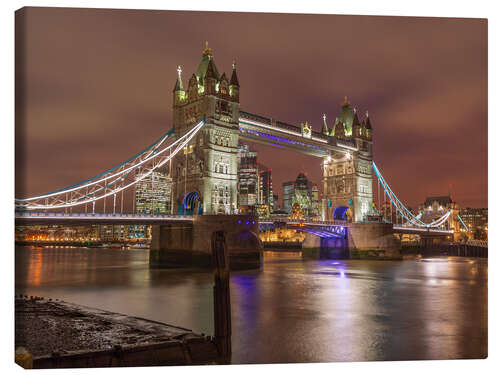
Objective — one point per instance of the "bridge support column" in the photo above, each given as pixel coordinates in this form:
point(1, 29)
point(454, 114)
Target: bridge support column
point(316, 247)
point(373, 240)
point(189, 245)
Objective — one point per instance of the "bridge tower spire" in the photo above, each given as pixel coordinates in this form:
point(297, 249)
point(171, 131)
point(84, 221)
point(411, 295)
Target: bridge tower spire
point(179, 92)
point(325, 130)
point(205, 176)
point(234, 85)
point(367, 127)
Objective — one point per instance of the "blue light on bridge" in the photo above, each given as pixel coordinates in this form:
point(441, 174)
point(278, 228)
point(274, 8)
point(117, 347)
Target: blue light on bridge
point(339, 212)
point(274, 144)
point(280, 139)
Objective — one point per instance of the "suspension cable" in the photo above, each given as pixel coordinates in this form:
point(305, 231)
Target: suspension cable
point(109, 188)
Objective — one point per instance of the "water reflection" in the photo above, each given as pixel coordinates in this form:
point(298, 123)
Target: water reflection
point(291, 310)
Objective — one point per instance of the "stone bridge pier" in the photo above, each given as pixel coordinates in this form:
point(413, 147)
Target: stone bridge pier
point(324, 248)
point(189, 245)
point(363, 241)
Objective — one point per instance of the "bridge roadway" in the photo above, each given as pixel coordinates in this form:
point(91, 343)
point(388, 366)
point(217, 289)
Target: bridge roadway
point(329, 225)
point(323, 229)
point(44, 218)
point(320, 228)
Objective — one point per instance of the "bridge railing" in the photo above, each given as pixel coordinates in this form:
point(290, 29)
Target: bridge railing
point(31, 214)
point(305, 222)
point(423, 230)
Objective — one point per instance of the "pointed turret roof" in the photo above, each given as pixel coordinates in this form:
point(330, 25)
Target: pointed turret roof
point(234, 77)
point(346, 116)
point(325, 126)
point(178, 83)
point(207, 61)
point(355, 119)
point(368, 123)
point(223, 77)
point(193, 80)
point(211, 71)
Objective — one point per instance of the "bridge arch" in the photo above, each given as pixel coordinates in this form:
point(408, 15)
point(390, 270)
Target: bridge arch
point(191, 203)
point(340, 213)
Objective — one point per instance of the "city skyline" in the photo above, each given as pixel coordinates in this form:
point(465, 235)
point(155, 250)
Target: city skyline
point(425, 89)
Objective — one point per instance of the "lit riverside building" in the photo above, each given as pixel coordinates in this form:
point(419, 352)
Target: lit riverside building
point(303, 192)
point(476, 220)
point(288, 192)
point(153, 194)
point(247, 179)
point(265, 193)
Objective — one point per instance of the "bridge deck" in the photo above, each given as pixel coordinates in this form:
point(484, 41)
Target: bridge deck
point(336, 226)
point(39, 218)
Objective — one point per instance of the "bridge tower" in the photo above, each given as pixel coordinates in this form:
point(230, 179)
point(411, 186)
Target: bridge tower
point(347, 177)
point(205, 176)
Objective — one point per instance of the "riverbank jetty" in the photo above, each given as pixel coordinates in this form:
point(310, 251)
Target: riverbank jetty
point(58, 334)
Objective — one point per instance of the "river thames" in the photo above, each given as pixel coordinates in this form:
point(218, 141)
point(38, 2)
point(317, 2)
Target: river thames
point(291, 310)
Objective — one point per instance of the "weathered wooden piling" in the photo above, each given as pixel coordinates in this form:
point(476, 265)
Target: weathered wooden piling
point(222, 302)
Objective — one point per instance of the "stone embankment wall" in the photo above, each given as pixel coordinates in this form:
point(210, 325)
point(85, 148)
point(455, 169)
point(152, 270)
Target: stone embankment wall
point(445, 249)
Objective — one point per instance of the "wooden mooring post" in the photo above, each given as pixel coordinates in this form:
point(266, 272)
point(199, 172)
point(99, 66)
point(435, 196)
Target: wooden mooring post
point(222, 302)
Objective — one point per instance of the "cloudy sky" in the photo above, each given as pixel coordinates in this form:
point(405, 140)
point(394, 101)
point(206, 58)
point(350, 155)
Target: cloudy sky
point(94, 87)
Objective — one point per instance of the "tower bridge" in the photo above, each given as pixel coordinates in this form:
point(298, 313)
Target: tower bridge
point(200, 154)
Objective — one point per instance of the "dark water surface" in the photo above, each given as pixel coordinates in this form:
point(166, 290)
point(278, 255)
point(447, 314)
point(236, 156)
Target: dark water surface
point(291, 310)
